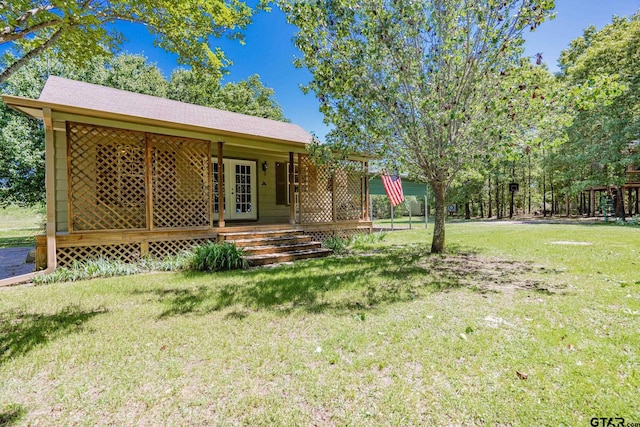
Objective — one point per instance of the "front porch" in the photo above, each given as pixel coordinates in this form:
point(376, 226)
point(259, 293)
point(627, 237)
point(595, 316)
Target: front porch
point(129, 246)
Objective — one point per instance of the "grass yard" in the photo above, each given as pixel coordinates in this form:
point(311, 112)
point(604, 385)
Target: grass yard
point(521, 324)
point(18, 226)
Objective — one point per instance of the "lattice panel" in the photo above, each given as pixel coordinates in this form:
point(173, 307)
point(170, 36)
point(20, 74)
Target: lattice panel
point(347, 232)
point(127, 252)
point(348, 196)
point(319, 236)
point(315, 192)
point(173, 247)
point(181, 179)
point(106, 177)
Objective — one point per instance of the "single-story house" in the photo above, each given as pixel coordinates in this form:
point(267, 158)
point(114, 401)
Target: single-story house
point(130, 175)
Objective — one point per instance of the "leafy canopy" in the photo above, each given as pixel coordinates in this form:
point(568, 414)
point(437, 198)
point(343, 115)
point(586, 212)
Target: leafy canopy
point(79, 30)
point(413, 82)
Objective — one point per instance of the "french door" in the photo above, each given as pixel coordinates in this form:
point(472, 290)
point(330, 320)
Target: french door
point(239, 179)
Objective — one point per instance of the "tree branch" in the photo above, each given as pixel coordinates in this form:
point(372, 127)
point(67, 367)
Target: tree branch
point(6, 73)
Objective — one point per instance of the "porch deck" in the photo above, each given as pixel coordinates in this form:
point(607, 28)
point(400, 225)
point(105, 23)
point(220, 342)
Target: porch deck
point(129, 245)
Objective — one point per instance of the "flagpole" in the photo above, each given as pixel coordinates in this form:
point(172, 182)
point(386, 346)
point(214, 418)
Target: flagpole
point(391, 216)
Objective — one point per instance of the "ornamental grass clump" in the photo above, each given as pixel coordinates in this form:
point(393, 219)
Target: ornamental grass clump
point(217, 257)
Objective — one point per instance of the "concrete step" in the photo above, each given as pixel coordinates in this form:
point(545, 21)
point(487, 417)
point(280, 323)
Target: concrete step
point(266, 241)
point(277, 248)
point(287, 256)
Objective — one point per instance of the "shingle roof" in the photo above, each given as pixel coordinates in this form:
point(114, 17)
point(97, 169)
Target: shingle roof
point(87, 96)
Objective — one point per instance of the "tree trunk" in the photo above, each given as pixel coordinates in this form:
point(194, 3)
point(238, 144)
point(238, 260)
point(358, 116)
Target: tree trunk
point(438, 242)
point(498, 206)
point(544, 194)
point(621, 203)
point(467, 210)
point(553, 197)
point(529, 183)
point(490, 208)
point(481, 203)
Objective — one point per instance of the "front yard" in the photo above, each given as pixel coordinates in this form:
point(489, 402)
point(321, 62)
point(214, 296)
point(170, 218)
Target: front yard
point(521, 324)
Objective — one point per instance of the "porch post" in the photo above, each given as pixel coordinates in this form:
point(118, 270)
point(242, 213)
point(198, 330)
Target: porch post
point(220, 187)
point(50, 180)
point(367, 211)
point(333, 196)
point(292, 195)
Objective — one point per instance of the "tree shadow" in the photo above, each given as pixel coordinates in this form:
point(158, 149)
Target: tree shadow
point(345, 284)
point(22, 332)
point(11, 414)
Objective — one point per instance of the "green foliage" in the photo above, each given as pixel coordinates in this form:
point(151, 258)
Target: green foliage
point(88, 270)
point(249, 96)
point(101, 267)
point(603, 67)
point(362, 240)
point(420, 84)
point(341, 246)
point(77, 32)
point(217, 257)
point(337, 245)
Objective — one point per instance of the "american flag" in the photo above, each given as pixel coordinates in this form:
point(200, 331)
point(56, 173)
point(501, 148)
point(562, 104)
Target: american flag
point(393, 187)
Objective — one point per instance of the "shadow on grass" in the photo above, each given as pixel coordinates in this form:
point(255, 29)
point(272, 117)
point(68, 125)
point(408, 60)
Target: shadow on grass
point(22, 332)
point(342, 284)
point(11, 414)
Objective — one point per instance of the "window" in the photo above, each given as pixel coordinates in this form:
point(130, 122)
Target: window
point(282, 183)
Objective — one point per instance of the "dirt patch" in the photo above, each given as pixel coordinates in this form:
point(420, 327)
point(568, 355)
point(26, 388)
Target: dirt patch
point(485, 274)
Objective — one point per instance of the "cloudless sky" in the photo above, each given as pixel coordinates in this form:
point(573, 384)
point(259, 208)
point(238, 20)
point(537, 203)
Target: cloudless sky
point(269, 51)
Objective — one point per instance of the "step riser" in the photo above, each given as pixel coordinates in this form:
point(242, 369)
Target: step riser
point(286, 258)
point(259, 242)
point(283, 248)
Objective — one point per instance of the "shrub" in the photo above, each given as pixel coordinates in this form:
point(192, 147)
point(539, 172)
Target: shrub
point(361, 239)
point(217, 257)
point(88, 270)
point(336, 244)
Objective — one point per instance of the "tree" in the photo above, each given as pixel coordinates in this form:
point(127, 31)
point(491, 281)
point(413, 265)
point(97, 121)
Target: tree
point(600, 139)
point(249, 96)
point(414, 82)
point(80, 30)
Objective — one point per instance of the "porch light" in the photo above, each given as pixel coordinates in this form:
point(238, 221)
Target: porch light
point(265, 166)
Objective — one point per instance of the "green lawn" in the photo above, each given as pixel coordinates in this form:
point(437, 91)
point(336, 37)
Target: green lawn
point(390, 336)
point(18, 226)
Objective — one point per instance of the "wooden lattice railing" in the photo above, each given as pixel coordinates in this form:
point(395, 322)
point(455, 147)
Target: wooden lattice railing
point(181, 180)
point(326, 197)
point(111, 170)
point(106, 178)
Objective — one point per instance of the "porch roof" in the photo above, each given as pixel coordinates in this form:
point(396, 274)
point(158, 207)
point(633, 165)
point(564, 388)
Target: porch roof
point(70, 96)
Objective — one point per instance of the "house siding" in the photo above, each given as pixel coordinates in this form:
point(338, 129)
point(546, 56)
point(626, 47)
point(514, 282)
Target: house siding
point(61, 185)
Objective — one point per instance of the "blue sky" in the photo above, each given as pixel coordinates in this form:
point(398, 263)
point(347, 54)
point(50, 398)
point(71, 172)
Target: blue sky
point(269, 51)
